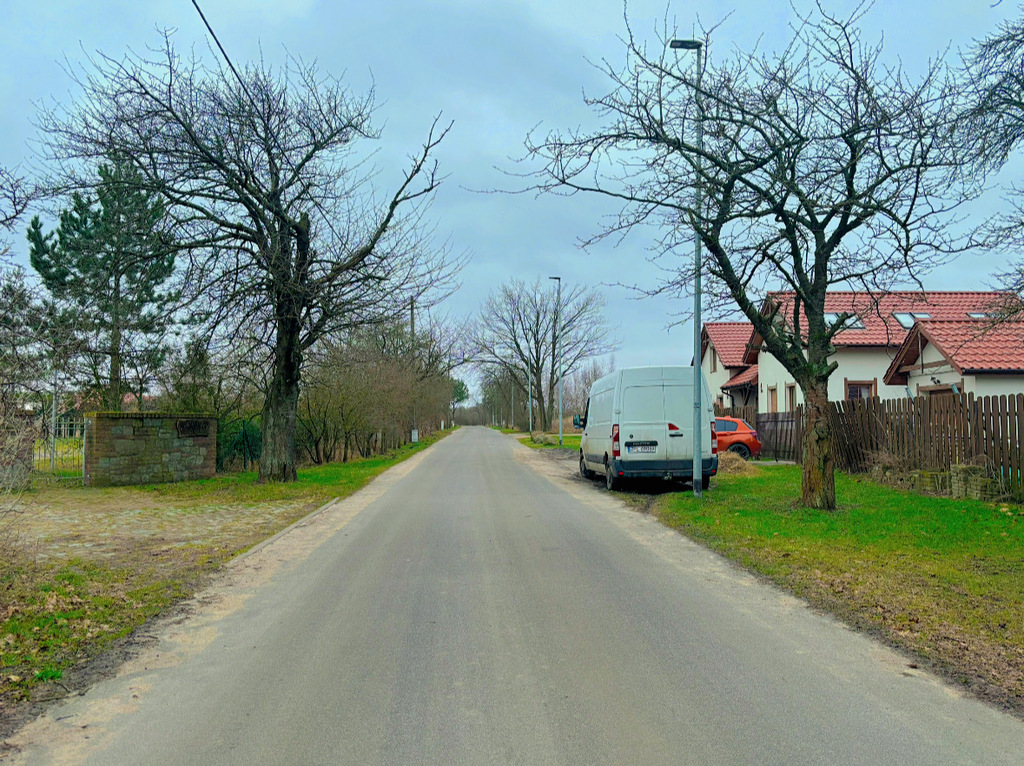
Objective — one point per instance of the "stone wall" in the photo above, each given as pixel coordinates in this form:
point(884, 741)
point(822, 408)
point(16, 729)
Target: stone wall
point(148, 448)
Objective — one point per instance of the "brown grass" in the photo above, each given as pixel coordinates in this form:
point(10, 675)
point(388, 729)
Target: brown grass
point(732, 464)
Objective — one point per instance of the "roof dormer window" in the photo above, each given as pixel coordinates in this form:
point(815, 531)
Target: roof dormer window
point(979, 315)
point(852, 322)
point(907, 318)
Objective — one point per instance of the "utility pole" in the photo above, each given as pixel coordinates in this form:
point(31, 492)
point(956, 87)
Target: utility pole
point(414, 432)
point(698, 419)
point(556, 360)
point(529, 395)
point(53, 425)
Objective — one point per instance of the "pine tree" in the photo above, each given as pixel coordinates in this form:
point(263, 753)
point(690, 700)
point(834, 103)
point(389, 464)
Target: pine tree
point(108, 262)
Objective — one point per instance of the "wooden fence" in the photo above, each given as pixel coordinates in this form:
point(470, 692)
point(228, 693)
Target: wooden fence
point(781, 433)
point(932, 433)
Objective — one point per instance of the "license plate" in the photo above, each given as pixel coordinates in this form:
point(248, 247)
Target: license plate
point(642, 448)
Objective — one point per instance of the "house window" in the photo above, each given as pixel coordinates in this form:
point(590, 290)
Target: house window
point(791, 397)
point(773, 399)
point(906, 318)
point(714, 361)
point(852, 322)
point(720, 400)
point(859, 389)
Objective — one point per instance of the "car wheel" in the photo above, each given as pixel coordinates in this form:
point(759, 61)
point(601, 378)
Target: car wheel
point(585, 472)
point(611, 481)
point(742, 450)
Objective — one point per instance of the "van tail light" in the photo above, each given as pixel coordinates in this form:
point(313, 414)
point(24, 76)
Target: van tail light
point(673, 427)
point(616, 452)
point(714, 440)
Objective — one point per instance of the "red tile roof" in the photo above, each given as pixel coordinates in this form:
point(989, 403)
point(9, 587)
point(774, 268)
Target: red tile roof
point(971, 346)
point(730, 340)
point(744, 378)
point(876, 312)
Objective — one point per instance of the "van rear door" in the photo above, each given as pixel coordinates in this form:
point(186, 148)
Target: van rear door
point(643, 431)
point(679, 414)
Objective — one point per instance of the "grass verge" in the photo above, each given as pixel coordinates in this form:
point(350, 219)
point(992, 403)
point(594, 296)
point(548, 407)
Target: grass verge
point(942, 578)
point(550, 441)
point(103, 561)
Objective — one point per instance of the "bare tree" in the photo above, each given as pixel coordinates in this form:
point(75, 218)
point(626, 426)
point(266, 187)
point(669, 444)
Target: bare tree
point(821, 167)
point(287, 238)
point(21, 316)
point(577, 385)
point(367, 390)
point(993, 126)
point(516, 329)
point(15, 196)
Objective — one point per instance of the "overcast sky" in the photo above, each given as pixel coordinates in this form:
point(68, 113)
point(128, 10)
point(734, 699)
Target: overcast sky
point(497, 68)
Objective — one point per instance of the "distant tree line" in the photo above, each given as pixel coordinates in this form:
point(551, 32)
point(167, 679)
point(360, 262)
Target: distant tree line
point(528, 338)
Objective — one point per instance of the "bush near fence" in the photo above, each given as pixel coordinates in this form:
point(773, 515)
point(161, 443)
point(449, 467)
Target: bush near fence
point(916, 440)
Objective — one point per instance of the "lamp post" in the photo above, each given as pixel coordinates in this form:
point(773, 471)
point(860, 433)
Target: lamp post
point(698, 421)
point(529, 397)
point(557, 361)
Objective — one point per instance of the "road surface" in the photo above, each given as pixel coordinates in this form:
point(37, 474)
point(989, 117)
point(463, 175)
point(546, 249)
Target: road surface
point(472, 607)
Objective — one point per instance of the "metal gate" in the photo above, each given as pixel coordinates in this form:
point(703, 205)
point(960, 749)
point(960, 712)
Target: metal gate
point(59, 452)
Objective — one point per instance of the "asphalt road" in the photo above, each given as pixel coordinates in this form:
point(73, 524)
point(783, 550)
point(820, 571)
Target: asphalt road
point(471, 607)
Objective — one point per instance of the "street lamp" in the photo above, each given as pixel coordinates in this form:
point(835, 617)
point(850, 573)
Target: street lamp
point(558, 371)
point(698, 421)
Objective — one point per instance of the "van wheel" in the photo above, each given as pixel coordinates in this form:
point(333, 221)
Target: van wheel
point(705, 482)
point(585, 472)
point(611, 481)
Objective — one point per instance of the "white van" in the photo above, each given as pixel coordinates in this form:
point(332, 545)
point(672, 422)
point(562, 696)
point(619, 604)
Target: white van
point(639, 423)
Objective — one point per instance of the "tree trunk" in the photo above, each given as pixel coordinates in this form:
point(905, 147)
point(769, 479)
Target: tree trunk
point(281, 407)
point(818, 489)
point(115, 398)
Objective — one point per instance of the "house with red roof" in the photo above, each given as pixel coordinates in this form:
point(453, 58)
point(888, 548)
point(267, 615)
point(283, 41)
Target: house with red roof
point(875, 332)
point(949, 356)
point(723, 349)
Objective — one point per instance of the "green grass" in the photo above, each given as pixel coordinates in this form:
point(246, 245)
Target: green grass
point(941, 577)
point(315, 483)
point(569, 441)
point(60, 614)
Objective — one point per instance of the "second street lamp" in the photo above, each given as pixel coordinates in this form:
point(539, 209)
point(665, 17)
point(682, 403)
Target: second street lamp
point(556, 359)
point(698, 420)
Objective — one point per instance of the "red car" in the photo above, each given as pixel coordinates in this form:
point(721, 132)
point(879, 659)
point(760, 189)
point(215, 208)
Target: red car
point(736, 435)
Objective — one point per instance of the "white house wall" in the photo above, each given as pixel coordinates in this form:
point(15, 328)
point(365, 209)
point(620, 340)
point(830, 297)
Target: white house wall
point(943, 374)
point(719, 377)
point(855, 364)
point(771, 373)
point(995, 385)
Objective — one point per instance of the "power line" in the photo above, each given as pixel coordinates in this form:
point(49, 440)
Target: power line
point(224, 53)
